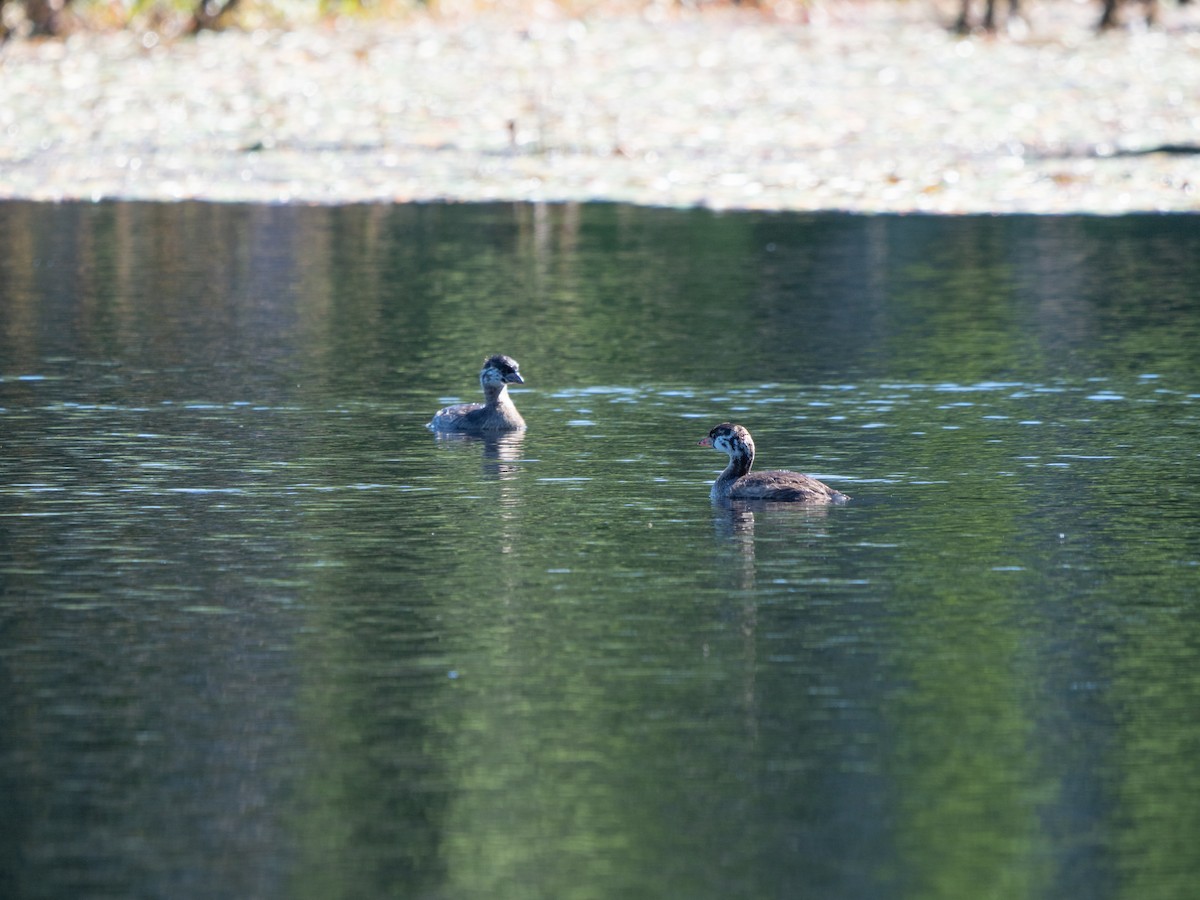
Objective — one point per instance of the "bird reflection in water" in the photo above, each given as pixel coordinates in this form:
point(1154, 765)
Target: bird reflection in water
point(500, 460)
point(501, 452)
point(733, 520)
point(783, 524)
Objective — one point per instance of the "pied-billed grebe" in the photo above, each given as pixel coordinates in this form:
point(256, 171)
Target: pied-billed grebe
point(498, 412)
point(738, 483)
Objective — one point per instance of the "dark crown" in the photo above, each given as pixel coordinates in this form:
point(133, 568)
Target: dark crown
point(506, 364)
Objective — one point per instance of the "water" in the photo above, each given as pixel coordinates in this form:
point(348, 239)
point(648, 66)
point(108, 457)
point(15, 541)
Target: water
point(263, 635)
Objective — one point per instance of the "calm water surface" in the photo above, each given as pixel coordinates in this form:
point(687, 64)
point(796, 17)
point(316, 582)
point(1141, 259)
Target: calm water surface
point(263, 635)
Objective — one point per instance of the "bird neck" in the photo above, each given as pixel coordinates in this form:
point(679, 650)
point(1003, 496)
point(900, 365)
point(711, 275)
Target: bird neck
point(495, 394)
point(740, 462)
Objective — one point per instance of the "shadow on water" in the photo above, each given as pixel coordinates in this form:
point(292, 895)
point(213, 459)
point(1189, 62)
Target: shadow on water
point(263, 634)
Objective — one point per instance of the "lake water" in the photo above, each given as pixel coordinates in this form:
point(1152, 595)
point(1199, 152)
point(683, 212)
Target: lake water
point(264, 635)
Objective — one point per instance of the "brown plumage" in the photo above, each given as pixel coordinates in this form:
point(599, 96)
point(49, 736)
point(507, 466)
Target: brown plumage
point(737, 482)
point(497, 413)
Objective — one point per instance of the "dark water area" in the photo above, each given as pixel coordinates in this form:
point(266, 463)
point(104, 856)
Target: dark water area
point(264, 635)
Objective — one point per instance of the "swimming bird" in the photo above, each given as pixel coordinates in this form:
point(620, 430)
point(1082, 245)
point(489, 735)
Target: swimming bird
point(497, 412)
point(737, 482)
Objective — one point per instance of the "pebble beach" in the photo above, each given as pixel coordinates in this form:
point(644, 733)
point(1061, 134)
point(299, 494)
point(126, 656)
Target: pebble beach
point(858, 106)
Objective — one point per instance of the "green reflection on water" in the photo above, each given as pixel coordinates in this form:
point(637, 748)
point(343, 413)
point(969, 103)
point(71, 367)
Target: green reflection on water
point(549, 666)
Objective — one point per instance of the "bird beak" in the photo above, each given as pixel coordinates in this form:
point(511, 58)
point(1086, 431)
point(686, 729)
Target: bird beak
point(704, 442)
point(514, 378)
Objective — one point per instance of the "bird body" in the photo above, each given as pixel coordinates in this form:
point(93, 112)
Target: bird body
point(496, 413)
point(737, 482)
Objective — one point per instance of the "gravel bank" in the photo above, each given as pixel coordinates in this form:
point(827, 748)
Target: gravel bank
point(870, 106)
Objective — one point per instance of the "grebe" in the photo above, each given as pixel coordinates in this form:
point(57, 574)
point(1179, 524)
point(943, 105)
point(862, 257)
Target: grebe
point(738, 483)
point(498, 412)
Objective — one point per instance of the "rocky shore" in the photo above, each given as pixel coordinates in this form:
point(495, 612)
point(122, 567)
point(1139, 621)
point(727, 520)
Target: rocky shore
point(867, 106)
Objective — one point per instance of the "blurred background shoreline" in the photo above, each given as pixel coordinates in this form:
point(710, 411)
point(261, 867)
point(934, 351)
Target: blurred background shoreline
point(858, 106)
